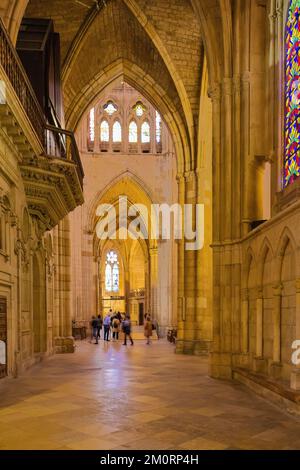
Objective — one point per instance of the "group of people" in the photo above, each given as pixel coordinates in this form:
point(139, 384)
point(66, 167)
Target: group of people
point(114, 323)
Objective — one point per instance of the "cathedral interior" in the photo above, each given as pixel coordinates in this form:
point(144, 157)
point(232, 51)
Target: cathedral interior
point(173, 103)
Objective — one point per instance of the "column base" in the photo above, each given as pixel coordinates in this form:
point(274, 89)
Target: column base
point(221, 365)
point(295, 379)
point(260, 365)
point(276, 370)
point(193, 347)
point(64, 345)
point(184, 346)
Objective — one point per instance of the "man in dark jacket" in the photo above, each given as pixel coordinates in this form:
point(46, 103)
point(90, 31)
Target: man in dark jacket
point(95, 322)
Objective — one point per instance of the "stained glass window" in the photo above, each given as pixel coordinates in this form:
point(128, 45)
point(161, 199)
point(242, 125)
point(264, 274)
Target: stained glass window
point(112, 273)
point(158, 127)
point(133, 137)
point(104, 131)
point(117, 132)
point(110, 108)
point(292, 95)
point(92, 125)
point(145, 133)
point(139, 108)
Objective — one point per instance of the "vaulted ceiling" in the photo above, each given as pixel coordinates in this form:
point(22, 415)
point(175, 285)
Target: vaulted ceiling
point(156, 45)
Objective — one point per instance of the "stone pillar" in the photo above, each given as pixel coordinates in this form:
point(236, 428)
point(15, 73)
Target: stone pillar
point(245, 322)
point(127, 290)
point(65, 342)
point(181, 298)
point(147, 286)
point(153, 281)
point(98, 287)
point(190, 273)
point(277, 293)
point(276, 366)
point(259, 324)
point(295, 375)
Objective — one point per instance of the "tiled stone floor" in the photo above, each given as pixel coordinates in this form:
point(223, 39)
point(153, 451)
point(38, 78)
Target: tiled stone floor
point(141, 397)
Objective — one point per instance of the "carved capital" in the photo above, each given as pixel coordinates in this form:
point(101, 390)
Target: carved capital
point(237, 84)
point(214, 92)
point(21, 251)
point(51, 269)
point(180, 177)
point(190, 176)
point(277, 290)
point(259, 293)
point(279, 8)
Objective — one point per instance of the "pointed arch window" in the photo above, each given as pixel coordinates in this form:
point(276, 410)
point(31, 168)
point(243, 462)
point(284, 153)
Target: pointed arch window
point(292, 95)
point(117, 132)
point(92, 125)
point(104, 131)
point(157, 127)
point(133, 136)
point(145, 133)
point(112, 272)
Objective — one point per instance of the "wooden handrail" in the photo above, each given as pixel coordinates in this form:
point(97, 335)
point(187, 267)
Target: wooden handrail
point(54, 140)
point(16, 74)
point(57, 145)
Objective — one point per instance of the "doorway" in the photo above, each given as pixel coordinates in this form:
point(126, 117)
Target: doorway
point(3, 337)
point(141, 313)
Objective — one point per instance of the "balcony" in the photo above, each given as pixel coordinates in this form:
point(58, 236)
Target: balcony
point(48, 156)
point(137, 293)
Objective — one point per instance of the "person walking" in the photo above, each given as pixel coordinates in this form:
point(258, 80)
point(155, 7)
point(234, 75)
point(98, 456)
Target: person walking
point(115, 328)
point(99, 326)
point(126, 327)
point(148, 328)
point(106, 324)
point(95, 323)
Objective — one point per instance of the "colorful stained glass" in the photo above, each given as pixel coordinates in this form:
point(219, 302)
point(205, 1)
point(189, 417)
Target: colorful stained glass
point(292, 95)
point(110, 108)
point(112, 273)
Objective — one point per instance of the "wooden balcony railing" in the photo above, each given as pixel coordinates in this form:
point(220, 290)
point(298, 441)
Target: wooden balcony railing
point(16, 74)
point(55, 141)
point(61, 143)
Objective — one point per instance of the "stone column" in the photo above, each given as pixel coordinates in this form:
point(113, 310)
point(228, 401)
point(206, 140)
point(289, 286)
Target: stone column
point(147, 287)
point(259, 324)
point(65, 342)
point(98, 287)
point(245, 322)
point(127, 290)
point(181, 298)
point(190, 272)
point(295, 375)
point(277, 293)
point(153, 281)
